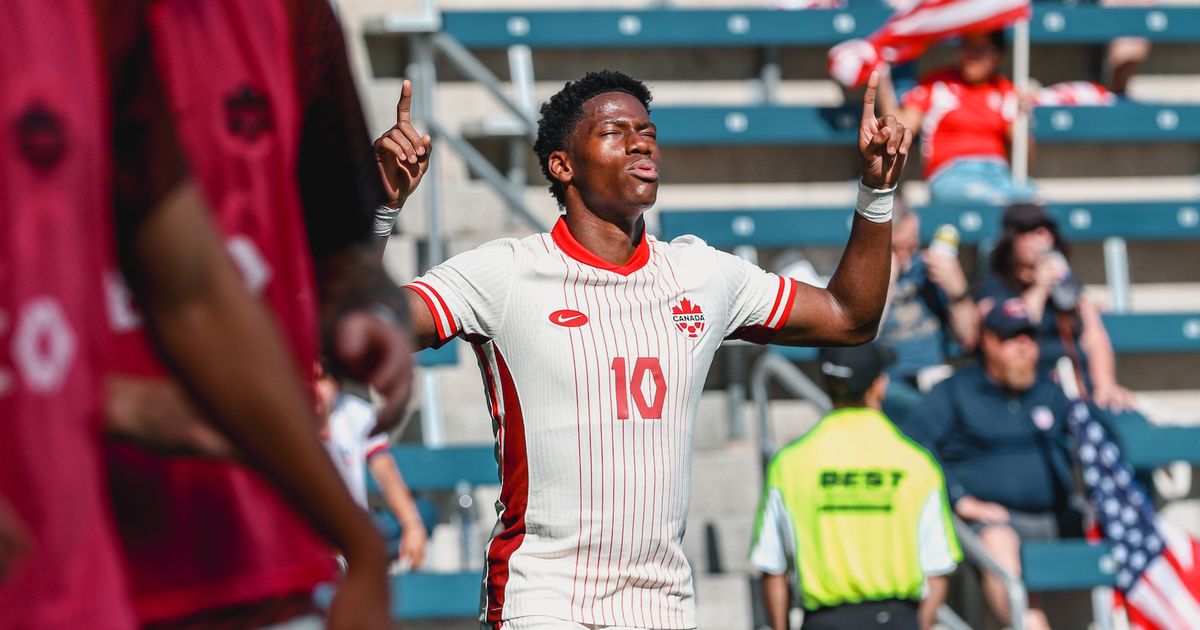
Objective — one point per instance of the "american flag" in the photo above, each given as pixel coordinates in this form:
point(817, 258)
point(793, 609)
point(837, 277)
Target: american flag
point(912, 29)
point(1157, 565)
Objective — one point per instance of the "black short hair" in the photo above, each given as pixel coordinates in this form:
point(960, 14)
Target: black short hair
point(562, 112)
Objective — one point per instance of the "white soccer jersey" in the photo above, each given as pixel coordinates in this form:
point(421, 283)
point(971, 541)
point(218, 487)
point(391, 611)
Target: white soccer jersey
point(593, 374)
point(350, 443)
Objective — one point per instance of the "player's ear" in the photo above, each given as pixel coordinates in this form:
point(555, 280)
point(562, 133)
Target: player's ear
point(561, 168)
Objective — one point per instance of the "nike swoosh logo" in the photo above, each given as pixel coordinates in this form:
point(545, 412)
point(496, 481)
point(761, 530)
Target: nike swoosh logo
point(568, 318)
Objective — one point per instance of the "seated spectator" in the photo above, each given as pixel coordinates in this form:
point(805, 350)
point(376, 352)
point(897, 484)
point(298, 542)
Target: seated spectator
point(843, 505)
point(349, 422)
point(1029, 262)
point(964, 115)
point(929, 296)
point(999, 429)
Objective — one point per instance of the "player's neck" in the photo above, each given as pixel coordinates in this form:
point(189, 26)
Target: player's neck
point(614, 241)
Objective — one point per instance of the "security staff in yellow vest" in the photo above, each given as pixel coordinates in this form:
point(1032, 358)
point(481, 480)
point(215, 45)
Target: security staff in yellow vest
point(857, 510)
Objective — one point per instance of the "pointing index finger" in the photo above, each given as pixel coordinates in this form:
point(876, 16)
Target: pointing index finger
point(869, 96)
point(404, 106)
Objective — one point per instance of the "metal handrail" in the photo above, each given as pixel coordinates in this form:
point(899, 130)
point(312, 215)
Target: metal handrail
point(976, 553)
point(769, 366)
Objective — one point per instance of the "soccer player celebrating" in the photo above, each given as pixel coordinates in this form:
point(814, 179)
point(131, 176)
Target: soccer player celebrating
point(594, 341)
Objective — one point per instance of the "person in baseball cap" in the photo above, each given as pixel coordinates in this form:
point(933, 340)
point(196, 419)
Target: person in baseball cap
point(850, 373)
point(1008, 320)
point(865, 491)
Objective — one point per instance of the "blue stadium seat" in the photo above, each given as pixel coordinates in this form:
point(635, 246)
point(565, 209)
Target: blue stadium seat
point(436, 595)
point(662, 28)
point(446, 355)
point(766, 125)
point(443, 469)
point(1067, 565)
point(798, 227)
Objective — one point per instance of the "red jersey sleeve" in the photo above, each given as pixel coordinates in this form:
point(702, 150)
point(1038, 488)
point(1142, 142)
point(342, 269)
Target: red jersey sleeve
point(339, 182)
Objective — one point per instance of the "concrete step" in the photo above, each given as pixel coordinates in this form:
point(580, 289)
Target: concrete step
point(1156, 297)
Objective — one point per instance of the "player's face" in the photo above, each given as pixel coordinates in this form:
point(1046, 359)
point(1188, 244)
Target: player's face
point(614, 150)
point(1013, 361)
point(1031, 245)
point(978, 59)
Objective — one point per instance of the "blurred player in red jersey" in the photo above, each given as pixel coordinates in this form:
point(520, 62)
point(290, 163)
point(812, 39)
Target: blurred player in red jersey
point(269, 120)
point(57, 173)
point(594, 341)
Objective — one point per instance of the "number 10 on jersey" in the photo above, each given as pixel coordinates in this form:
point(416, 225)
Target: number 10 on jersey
point(634, 383)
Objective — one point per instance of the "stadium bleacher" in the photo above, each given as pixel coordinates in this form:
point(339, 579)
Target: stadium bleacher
point(1052, 23)
point(828, 130)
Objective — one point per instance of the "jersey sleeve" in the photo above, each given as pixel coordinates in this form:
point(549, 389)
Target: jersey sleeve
point(918, 97)
point(468, 294)
point(364, 419)
point(375, 445)
point(759, 301)
point(1009, 101)
point(772, 550)
point(339, 181)
point(938, 547)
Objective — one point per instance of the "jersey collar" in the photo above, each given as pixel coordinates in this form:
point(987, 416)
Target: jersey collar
point(573, 248)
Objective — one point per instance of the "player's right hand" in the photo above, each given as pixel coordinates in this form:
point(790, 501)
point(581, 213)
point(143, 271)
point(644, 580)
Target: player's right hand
point(402, 153)
point(157, 415)
point(14, 538)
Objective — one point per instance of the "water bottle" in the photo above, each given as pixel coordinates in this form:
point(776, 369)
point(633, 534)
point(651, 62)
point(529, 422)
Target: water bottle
point(1065, 293)
point(945, 241)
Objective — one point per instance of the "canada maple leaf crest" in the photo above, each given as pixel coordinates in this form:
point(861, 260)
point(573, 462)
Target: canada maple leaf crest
point(688, 318)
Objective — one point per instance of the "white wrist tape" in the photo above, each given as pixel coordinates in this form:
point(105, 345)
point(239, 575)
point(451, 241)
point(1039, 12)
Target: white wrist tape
point(385, 220)
point(875, 205)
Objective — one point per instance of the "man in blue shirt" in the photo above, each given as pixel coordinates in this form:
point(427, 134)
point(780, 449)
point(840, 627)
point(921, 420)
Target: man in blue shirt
point(928, 297)
point(999, 431)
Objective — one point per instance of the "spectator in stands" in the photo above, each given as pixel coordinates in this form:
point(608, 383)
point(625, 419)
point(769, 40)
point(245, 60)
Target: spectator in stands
point(965, 115)
point(843, 506)
point(999, 429)
point(929, 295)
point(1030, 262)
point(347, 434)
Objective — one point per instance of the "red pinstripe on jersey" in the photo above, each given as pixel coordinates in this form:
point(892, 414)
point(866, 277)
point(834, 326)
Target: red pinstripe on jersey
point(514, 487)
point(443, 319)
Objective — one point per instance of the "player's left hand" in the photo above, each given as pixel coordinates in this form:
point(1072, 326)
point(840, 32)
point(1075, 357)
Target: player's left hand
point(883, 143)
point(379, 353)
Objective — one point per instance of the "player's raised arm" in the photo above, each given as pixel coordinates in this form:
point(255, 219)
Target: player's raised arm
point(849, 310)
point(402, 154)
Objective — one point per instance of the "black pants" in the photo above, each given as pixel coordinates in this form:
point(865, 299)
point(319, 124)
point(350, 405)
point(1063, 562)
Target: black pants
point(893, 614)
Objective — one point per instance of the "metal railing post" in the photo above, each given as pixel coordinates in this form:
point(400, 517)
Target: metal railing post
point(1116, 272)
